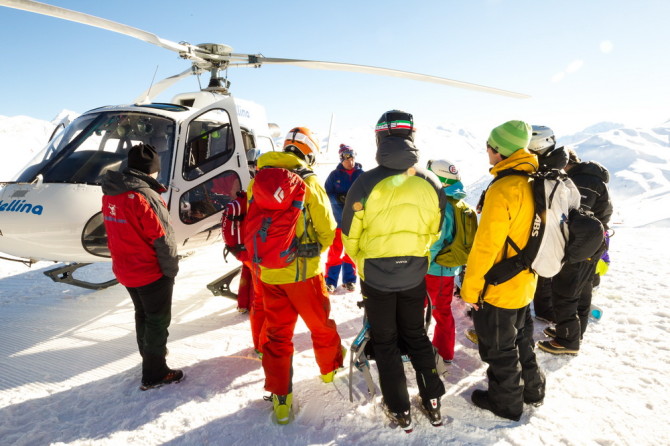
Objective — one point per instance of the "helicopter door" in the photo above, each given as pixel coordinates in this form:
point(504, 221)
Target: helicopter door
point(211, 169)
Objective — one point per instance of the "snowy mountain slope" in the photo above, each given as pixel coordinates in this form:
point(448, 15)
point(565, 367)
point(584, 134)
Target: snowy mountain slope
point(21, 137)
point(69, 370)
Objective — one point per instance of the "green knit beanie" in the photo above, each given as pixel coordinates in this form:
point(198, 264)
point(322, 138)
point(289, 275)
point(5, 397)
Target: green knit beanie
point(510, 137)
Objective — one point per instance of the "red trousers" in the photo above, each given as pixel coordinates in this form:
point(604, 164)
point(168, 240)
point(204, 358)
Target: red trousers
point(245, 293)
point(283, 303)
point(441, 291)
point(256, 310)
point(337, 259)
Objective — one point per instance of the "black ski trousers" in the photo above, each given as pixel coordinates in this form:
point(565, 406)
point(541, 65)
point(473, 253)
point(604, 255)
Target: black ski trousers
point(153, 312)
point(507, 347)
point(542, 299)
point(398, 318)
point(567, 288)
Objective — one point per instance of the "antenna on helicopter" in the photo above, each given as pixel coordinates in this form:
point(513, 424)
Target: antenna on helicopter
point(146, 98)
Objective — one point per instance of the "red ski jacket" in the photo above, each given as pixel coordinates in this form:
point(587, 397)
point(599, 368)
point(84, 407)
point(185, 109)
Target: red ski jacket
point(139, 234)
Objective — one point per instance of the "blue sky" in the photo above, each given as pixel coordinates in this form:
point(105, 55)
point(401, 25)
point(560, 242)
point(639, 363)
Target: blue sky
point(581, 61)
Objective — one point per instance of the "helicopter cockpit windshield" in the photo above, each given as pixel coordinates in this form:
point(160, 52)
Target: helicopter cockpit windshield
point(99, 142)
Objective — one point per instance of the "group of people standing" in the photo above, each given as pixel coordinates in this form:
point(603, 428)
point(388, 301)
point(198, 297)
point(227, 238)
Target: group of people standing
point(384, 225)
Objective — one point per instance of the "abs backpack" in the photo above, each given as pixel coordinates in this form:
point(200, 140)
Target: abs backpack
point(232, 228)
point(554, 196)
point(277, 202)
point(465, 227)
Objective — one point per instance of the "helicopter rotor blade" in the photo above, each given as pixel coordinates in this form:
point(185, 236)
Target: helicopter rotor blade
point(258, 60)
point(157, 88)
point(185, 50)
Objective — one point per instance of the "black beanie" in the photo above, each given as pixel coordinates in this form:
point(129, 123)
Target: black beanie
point(143, 157)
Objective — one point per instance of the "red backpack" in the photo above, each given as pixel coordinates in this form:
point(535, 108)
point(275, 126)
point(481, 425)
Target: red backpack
point(232, 227)
point(277, 202)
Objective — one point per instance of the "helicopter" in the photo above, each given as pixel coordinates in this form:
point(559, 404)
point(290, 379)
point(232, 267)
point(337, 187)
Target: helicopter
point(51, 210)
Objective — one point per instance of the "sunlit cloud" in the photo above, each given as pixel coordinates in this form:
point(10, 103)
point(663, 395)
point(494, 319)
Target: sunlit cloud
point(606, 46)
point(558, 77)
point(574, 66)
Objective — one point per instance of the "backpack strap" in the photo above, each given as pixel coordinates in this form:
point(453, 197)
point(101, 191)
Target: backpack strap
point(508, 267)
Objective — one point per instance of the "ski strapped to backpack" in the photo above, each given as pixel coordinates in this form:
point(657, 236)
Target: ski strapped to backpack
point(278, 201)
point(555, 235)
point(465, 227)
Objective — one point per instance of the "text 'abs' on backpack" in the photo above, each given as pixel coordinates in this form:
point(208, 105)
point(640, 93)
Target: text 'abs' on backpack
point(465, 227)
point(232, 227)
point(560, 231)
point(278, 201)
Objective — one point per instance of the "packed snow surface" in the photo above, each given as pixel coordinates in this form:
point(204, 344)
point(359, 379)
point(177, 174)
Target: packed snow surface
point(70, 371)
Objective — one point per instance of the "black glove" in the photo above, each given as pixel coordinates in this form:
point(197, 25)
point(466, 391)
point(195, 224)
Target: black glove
point(341, 198)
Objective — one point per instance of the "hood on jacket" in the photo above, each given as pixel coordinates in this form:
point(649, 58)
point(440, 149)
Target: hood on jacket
point(556, 159)
point(284, 160)
point(396, 152)
point(520, 160)
point(591, 168)
point(115, 183)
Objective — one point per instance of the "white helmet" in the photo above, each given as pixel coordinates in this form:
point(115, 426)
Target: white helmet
point(542, 141)
point(445, 171)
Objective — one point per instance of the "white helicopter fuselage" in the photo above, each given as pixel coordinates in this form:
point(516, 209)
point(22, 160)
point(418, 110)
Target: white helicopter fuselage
point(52, 211)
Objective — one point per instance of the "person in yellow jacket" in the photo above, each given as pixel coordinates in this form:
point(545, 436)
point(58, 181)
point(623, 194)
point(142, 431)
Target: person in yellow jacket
point(500, 310)
point(299, 288)
point(392, 216)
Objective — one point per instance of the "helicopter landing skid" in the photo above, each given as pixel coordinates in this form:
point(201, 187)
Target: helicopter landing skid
point(221, 286)
point(63, 274)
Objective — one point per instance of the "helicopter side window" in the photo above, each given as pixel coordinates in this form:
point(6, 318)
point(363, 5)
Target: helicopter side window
point(209, 197)
point(210, 143)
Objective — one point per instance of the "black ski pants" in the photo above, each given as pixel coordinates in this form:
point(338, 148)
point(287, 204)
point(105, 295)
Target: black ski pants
point(397, 318)
point(585, 297)
point(542, 299)
point(507, 347)
point(153, 305)
point(567, 287)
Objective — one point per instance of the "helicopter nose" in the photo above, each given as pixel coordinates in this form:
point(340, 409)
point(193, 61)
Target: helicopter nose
point(47, 221)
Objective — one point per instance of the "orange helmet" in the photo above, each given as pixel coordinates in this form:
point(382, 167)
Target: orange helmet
point(301, 142)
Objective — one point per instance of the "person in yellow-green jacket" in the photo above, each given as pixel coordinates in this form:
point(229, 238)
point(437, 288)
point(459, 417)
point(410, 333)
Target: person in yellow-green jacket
point(500, 310)
point(392, 216)
point(299, 288)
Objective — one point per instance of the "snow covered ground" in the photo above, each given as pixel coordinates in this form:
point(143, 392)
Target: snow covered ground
point(69, 369)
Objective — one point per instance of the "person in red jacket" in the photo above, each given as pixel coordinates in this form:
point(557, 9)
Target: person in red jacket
point(144, 256)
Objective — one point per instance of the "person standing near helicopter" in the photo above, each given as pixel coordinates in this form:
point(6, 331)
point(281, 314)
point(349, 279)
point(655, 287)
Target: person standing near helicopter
point(297, 289)
point(337, 185)
point(144, 256)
